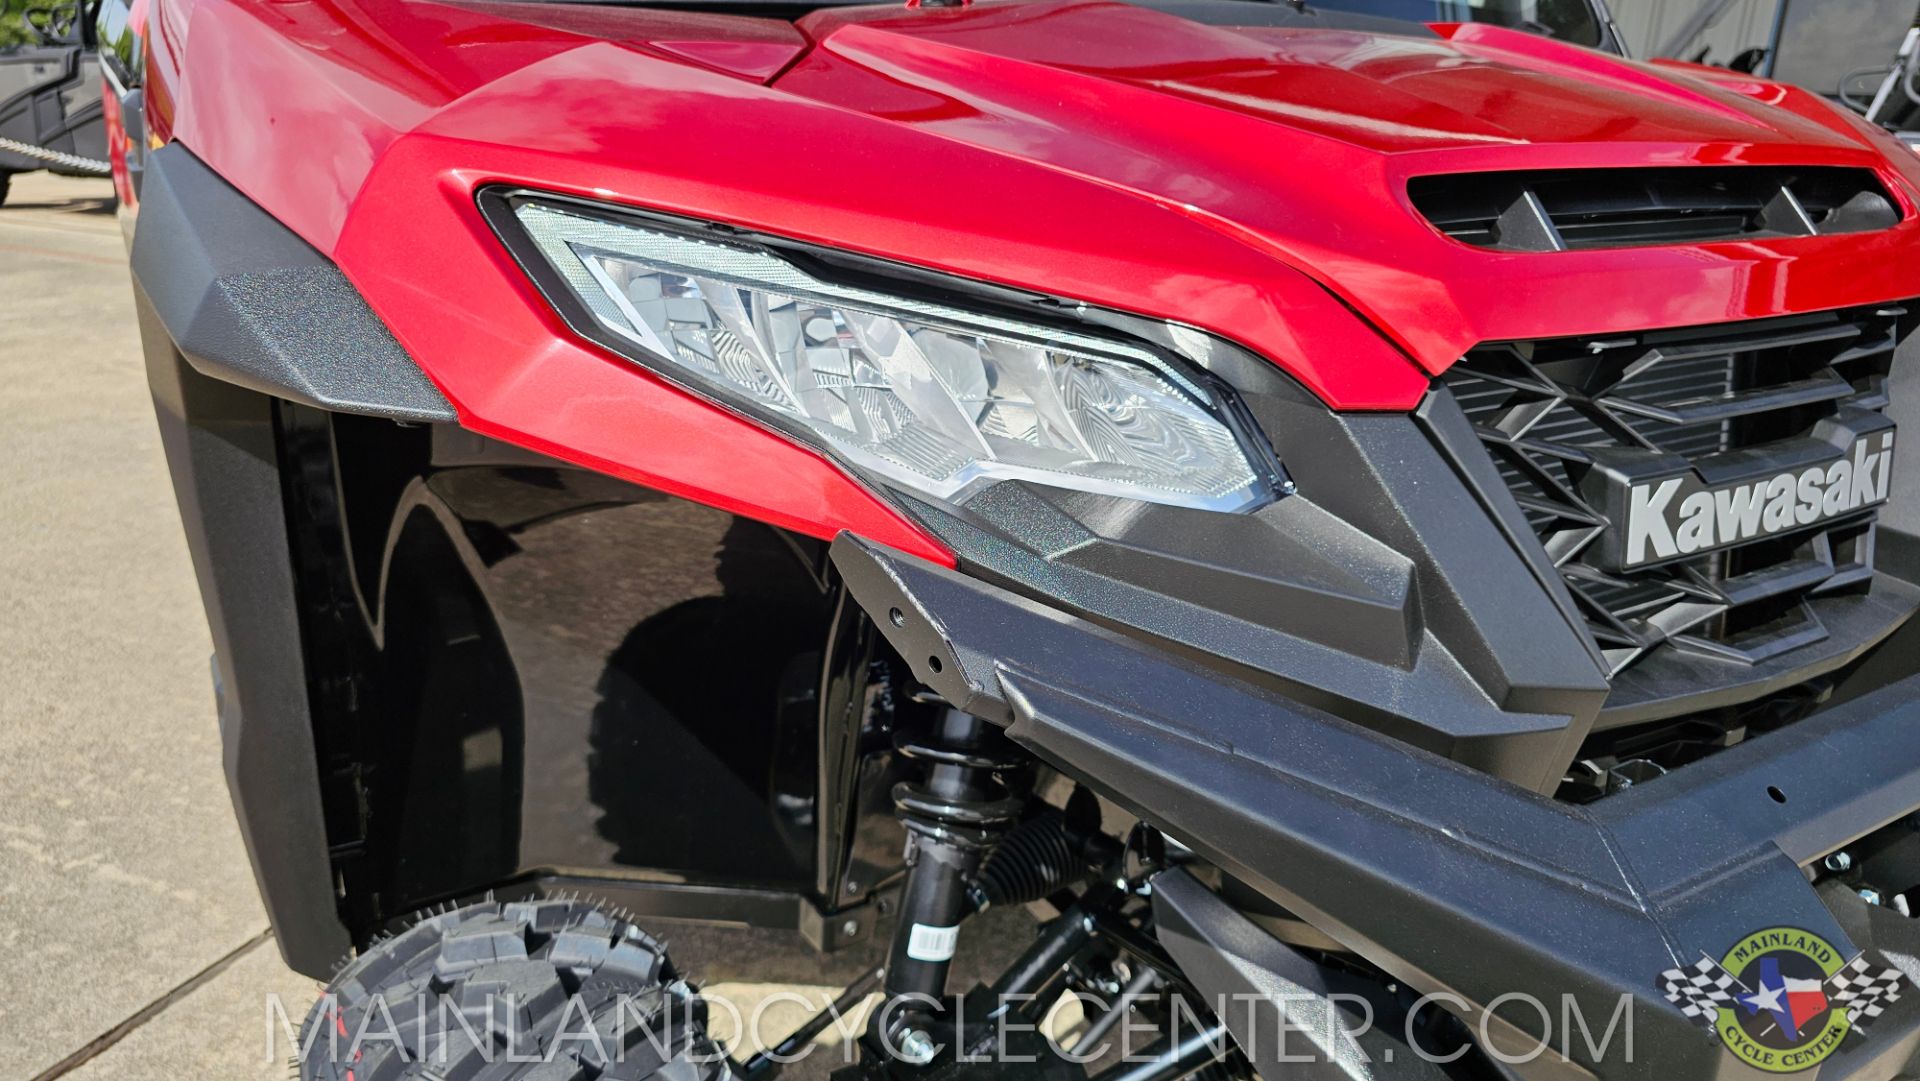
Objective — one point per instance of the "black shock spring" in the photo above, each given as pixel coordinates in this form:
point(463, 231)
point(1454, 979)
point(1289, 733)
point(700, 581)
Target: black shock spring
point(964, 798)
point(954, 815)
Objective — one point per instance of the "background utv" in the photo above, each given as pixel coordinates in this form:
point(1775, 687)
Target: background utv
point(50, 94)
point(1176, 464)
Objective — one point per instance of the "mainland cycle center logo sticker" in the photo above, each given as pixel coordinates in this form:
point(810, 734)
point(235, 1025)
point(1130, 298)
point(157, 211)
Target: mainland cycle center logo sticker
point(1783, 1000)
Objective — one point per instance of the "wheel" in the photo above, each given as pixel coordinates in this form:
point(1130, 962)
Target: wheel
point(532, 991)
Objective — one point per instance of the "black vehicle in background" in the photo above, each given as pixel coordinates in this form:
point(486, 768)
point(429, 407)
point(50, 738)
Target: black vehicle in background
point(50, 111)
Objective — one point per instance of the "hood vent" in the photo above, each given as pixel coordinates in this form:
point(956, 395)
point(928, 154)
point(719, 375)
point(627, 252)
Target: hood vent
point(1566, 210)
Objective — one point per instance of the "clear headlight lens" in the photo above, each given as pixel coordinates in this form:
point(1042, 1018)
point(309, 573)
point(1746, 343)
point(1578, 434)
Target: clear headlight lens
point(937, 400)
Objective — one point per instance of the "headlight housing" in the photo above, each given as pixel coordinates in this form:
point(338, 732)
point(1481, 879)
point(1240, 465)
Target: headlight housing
point(935, 400)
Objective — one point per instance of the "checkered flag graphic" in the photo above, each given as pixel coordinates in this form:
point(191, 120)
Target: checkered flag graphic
point(1699, 991)
point(1863, 990)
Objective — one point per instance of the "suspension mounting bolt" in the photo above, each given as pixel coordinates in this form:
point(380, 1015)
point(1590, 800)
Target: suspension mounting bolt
point(917, 1047)
point(1839, 861)
point(1871, 897)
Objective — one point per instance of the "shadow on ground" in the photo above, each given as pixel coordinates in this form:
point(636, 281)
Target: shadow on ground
point(67, 204)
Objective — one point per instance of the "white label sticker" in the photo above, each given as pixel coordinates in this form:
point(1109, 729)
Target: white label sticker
point(932, 943)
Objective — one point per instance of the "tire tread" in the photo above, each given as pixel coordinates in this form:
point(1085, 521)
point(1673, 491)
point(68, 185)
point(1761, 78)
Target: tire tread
point(564, 963)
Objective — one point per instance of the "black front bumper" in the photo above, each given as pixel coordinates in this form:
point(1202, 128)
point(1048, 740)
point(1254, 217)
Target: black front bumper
point(1447, 878)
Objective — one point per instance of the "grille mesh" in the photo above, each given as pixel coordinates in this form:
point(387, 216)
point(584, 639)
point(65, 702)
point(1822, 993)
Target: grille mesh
point(1541, 408)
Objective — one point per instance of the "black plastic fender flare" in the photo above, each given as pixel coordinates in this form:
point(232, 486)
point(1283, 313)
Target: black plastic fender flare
point(249, 302)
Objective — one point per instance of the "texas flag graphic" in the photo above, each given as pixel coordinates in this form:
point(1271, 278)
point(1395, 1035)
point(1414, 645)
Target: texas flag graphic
point(1792, 1002)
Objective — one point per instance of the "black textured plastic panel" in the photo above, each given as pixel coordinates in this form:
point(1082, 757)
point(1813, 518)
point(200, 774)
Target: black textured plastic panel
point(1430, 871)
point(249, 302)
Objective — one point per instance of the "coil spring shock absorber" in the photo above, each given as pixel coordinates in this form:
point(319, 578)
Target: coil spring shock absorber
point(953, 818)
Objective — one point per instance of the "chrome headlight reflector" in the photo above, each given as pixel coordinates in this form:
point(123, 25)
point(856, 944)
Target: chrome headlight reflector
point(937, 400)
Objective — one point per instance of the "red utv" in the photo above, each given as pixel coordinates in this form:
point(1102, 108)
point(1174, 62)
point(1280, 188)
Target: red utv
point(1381, 521)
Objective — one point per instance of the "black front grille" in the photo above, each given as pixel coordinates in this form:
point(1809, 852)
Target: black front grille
point(1614, 208)
point(1722, 398)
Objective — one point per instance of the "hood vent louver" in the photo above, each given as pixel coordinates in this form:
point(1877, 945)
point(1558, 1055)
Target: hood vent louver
point(1574, 210)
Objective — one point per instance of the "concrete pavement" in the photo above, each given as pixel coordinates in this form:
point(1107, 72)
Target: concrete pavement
point(121, 872)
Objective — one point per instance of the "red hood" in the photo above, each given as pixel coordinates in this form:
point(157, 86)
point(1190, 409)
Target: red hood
point(1095, 71)
point(1301, 142)
point(1231, 178)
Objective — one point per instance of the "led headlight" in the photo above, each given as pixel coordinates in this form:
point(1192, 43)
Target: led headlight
point(936, 400)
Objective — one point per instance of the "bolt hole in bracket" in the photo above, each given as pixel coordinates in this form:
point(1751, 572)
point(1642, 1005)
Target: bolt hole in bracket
point(828, 930)
point(965, 681)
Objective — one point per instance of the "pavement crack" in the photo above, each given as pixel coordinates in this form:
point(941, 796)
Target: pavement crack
point(99, 1044)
